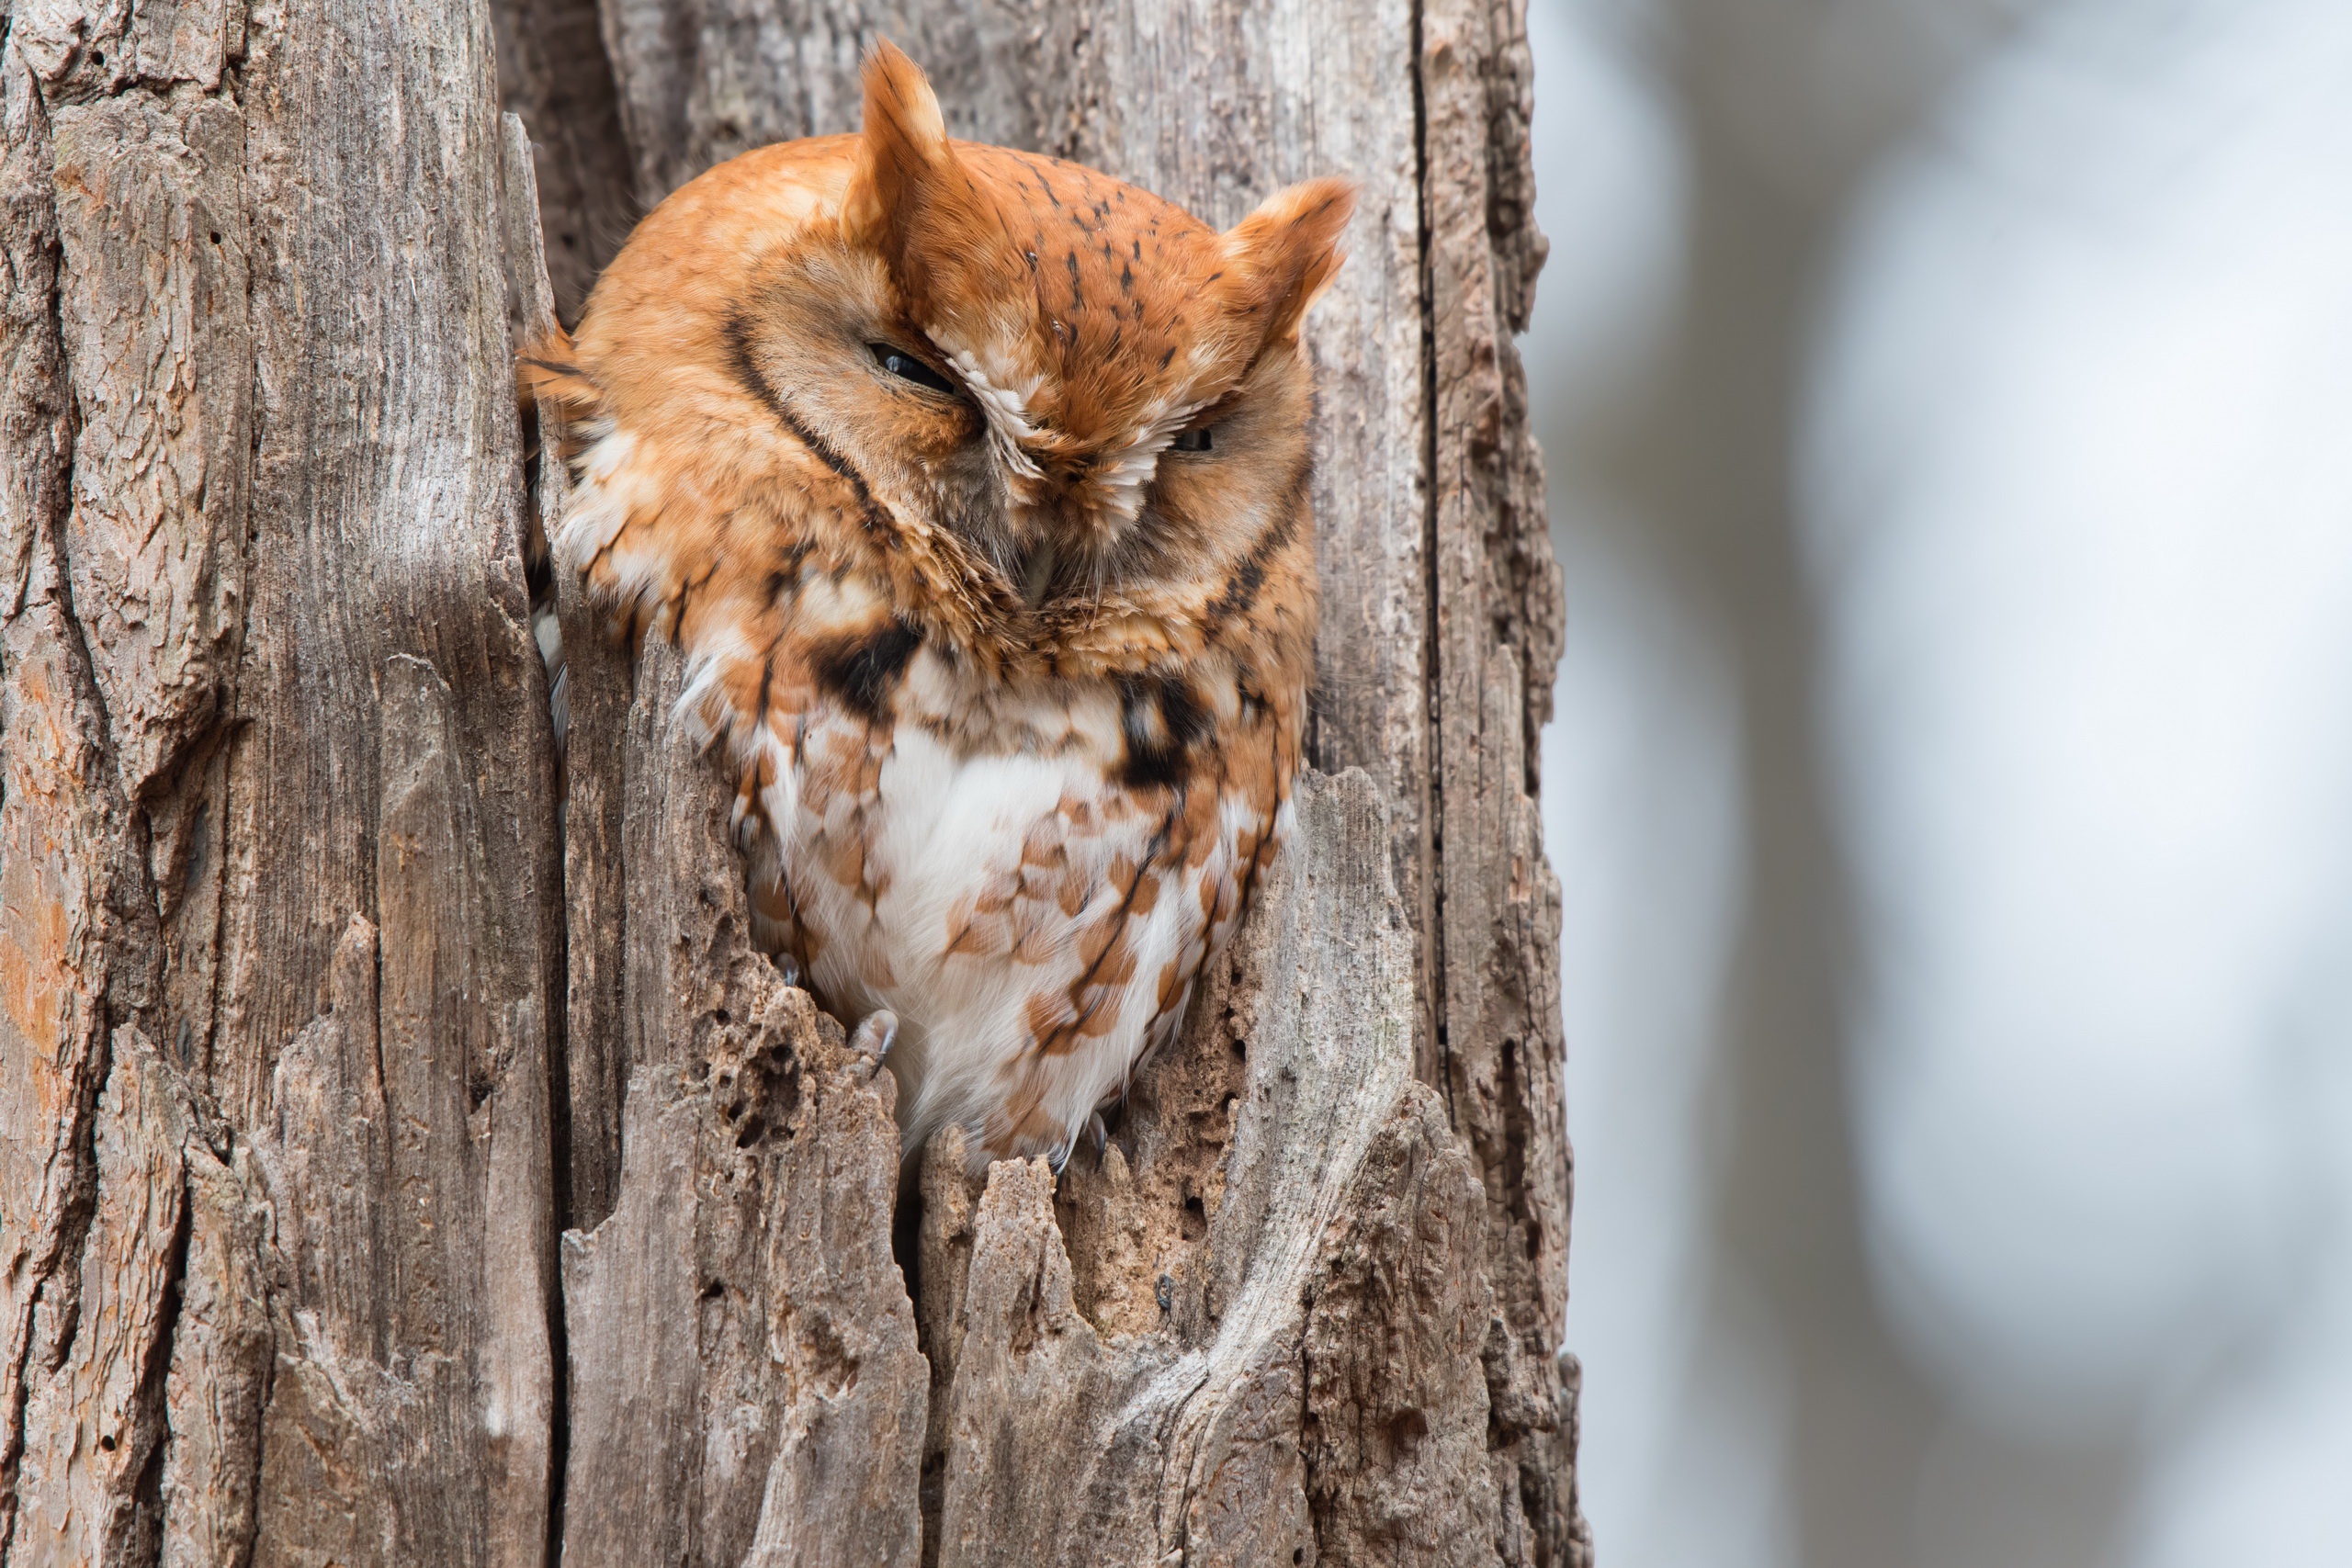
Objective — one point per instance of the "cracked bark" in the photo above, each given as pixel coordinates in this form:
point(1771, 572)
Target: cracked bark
point(276, 1235)
point(395, 1169)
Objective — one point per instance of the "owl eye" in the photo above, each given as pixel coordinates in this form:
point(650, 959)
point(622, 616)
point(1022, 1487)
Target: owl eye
point(1192, 440)
point(906, 368)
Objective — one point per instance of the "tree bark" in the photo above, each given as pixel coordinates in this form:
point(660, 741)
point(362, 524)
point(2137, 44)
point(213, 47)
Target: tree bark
point(398, 1169)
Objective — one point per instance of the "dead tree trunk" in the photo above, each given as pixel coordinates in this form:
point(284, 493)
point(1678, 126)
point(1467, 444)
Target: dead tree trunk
point(396, 1170)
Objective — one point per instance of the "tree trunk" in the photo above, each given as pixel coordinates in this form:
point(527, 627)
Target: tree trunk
point(397, 1168)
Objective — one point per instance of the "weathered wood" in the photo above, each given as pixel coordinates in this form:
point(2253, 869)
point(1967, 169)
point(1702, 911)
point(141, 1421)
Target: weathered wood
point(410, 1416)
point(1397, 1413)
point(222, 1349)
point(745, 1382)
point(594, 702)
point(91, 1427)
point(1143, 1336)
point(335, 992)
point(281, 918)
point(76, 915)
point(1441, 593)
point(1496, 933)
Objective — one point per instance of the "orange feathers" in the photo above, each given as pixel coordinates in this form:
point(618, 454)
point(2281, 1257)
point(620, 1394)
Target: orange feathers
point(975, 484)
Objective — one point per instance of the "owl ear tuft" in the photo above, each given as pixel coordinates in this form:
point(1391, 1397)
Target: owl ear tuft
point(1285, 252)
point(905, 148)
point(908, 199)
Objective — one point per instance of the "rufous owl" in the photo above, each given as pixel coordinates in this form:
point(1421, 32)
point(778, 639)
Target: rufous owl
point(974, 486)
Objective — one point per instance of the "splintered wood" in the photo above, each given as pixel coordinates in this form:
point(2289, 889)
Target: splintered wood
point(405, 1157)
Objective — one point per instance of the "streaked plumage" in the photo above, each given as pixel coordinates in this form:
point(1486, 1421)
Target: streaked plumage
point(902, 439)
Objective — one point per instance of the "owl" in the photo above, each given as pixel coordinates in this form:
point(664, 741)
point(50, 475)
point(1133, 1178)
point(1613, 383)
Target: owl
point(973, 485)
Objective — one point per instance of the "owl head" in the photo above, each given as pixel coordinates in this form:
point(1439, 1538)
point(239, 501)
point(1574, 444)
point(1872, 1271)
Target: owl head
point(1048, 389)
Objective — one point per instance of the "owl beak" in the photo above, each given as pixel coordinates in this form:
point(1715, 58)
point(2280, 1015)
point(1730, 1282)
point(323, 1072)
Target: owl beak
point(1037, 573)
point(1059, 529)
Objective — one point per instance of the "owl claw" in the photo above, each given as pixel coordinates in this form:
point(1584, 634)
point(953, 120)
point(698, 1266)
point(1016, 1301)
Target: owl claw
point(875, 1035)
point(1097, 1134)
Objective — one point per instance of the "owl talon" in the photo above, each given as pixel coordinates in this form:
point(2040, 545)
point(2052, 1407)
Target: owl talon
point(1097, 1134)
point(876, 1034)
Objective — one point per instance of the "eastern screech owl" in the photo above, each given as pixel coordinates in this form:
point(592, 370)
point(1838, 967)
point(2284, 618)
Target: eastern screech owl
point(974, 485)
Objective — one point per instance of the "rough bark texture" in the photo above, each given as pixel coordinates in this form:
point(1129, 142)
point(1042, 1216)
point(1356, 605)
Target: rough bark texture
point(397, 1167)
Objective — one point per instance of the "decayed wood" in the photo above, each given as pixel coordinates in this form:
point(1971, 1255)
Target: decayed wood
point(745, 1382)
point(1143, 1336)
point(281, 918)
point(1499, 1052)
point(1441, 602)
point(396, 763)
point(324, 1021)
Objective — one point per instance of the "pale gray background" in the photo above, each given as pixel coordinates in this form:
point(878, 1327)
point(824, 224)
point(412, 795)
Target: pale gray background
point(1949, 412)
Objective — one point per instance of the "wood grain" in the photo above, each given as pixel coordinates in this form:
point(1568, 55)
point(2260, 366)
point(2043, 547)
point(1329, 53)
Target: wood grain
point(405, 1156)
point(1441, 602)
point(283, 921)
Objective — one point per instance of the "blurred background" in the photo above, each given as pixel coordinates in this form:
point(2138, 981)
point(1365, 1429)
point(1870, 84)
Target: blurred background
point(1947, 406)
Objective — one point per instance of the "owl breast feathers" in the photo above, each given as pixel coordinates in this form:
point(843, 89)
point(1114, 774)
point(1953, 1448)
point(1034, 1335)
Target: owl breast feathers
point(974, 485)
